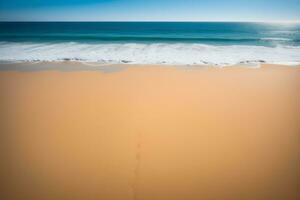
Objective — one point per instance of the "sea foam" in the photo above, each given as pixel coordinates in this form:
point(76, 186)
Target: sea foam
point(152, 53)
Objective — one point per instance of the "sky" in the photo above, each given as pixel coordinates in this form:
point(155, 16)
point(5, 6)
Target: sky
point(150, 10)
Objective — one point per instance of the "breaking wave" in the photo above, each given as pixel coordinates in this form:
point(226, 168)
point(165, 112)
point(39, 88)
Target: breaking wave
point(152, 53)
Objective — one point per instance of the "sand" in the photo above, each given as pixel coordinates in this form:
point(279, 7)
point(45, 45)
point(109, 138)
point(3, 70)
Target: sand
point(151, 133)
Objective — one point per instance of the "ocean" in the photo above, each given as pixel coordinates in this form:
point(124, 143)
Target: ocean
point(176, 43)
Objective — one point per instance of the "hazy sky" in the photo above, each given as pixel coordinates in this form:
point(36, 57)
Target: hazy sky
point(150, 10)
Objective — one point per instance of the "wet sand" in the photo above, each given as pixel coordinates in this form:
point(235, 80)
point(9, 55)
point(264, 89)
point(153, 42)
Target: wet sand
point(151, 133)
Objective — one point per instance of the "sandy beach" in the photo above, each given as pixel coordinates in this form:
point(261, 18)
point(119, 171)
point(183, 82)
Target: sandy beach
point(150, 132)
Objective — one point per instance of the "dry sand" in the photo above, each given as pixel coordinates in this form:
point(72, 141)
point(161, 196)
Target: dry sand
point(151, 133)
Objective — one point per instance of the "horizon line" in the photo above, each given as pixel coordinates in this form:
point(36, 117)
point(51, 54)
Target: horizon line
point(204, 21)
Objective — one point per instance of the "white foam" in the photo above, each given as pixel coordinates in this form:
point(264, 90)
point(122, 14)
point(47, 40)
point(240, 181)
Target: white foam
point(154, 53)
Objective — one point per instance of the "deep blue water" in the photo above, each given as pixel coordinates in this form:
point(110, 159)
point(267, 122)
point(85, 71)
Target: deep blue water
point(215, 33)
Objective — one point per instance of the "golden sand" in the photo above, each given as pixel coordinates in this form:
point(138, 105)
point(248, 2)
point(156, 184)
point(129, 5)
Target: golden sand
point(151, 133)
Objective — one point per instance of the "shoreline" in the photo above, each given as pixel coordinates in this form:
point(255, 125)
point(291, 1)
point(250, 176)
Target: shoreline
point(96, 66)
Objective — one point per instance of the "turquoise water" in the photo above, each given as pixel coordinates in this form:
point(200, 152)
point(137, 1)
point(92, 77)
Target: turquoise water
point(208, 33)
point(151, 42)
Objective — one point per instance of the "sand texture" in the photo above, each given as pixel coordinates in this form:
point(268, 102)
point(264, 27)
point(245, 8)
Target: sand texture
point(151, 133)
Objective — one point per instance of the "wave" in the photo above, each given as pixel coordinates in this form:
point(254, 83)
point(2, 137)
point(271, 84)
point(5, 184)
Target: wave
point(277, 39)
point(153, 53)
point(134, 38)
